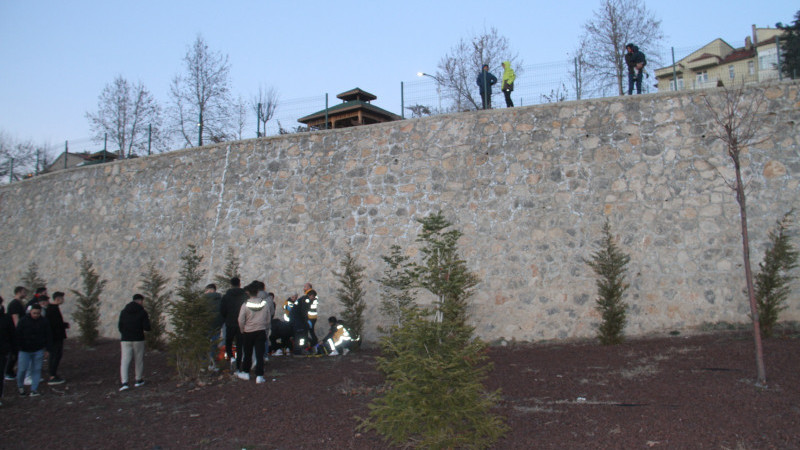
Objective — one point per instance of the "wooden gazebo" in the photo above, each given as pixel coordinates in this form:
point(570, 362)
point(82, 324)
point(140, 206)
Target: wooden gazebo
point(354, 110)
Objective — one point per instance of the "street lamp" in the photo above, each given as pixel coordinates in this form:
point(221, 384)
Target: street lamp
point(438, 87)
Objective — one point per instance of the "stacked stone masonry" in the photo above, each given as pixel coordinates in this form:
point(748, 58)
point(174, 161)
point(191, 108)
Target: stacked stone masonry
point(529, 187)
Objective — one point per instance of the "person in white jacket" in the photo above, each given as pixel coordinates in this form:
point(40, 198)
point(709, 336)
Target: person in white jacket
point(254, 322)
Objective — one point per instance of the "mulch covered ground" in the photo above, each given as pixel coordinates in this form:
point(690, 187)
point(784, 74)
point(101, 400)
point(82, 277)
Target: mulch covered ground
point(669, 392)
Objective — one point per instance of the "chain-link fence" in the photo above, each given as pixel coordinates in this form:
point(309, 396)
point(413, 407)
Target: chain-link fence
point(696, 67)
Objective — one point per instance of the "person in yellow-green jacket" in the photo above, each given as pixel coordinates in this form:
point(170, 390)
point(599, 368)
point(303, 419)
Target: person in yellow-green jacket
point(508, 82)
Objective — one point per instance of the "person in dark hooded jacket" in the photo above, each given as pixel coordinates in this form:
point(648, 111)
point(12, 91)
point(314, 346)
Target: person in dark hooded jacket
point(635, 60)
point(229, 308)
point(133, 322)
point(485, 82)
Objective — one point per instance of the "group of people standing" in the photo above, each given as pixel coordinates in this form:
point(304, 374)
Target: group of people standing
point(635, 60)
point(486, 80)
point(245, 318)
point(252, 330)
point(27, 332)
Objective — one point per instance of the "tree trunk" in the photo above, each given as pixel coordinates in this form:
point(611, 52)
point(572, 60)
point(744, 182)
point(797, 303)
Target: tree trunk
point(740, 197)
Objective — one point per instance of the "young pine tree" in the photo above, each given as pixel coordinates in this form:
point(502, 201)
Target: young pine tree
point(191, 318)
point(609, 264)
point(156, 301)
point(396, 287)
point(351, 295)
point(434, 366)
point(87, 312)
point(31, 279)
point(772, 282)
point(231, 270)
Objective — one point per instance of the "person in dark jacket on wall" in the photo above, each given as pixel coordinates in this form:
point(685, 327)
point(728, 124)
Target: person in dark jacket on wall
point(33, 337)
point(58, 328)
point(133, 322)
point(635, 60)
point(229, 308)
point(485, 82)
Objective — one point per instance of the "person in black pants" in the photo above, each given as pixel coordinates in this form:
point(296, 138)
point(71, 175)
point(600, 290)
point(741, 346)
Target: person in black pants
point(229, 308)
point(298, 318)
point(58, 329)
point(6, 340)
point(16, 311)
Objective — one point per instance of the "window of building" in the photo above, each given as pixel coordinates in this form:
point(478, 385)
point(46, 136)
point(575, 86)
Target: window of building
point(768, 59)
point(702, 77)
point(731, 72)
point(751, 67)
point(672, 84)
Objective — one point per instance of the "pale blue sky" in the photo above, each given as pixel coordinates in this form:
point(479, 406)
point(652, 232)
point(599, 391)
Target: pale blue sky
point(58, 55)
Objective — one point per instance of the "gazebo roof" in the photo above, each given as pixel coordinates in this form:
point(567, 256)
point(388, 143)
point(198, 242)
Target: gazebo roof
point(356, 94)
point(354, 100)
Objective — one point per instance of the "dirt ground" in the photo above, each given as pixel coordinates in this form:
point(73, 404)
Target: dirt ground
point(669, 392)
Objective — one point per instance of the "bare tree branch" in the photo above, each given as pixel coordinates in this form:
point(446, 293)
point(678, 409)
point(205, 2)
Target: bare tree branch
point(737, 124)
point(126, 112)
point(201, 97)
point(615, 24)
point(265, 104)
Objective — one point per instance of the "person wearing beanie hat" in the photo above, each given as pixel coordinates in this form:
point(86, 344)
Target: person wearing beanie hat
point(485, 82)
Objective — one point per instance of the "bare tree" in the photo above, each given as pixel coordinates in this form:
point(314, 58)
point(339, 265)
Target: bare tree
point(578, 73)
point(459, 68)
point(615, 24)
point(20, 159)
point(240, 117)
point(556, 95)
point(201, 97)
point(265, 104)
point(130, 116)
point(736, 120)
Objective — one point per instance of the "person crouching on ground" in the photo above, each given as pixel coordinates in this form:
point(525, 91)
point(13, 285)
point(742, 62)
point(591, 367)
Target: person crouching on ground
point(133, 322)
point(33, 337)
point(253, 322)
point(337, 341)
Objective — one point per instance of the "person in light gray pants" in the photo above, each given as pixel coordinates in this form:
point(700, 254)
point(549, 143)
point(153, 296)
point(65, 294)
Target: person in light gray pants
point(133, 322)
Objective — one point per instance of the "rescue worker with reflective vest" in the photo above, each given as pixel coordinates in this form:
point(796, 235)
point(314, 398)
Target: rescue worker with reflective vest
point(298, 318)
point(312, 304)
point(337, 341)
point(280, 339)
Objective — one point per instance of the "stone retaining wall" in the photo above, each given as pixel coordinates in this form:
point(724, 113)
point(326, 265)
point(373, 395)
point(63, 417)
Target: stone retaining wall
point(529, 187)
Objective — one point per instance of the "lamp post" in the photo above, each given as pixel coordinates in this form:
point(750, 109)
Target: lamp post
point(438, 87)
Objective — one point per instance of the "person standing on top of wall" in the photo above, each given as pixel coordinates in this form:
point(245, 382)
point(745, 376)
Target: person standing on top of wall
point(635, 60)
point(508, 82)
point(485, 82)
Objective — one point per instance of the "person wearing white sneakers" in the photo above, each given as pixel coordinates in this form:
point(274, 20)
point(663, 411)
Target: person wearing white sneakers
point(254, 321)
point(133, 322)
